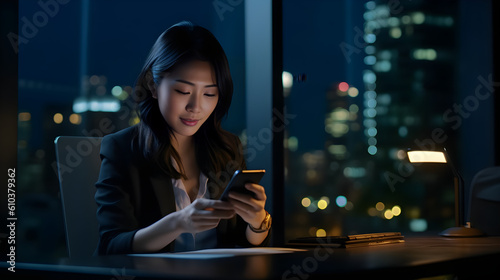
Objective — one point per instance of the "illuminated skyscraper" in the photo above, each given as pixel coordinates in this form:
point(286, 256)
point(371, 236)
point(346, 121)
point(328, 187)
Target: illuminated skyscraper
point(409, 82)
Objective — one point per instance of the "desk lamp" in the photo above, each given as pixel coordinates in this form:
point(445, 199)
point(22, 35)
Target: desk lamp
point(460, 230)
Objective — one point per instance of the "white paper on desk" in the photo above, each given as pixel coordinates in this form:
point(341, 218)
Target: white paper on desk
point(221, 253)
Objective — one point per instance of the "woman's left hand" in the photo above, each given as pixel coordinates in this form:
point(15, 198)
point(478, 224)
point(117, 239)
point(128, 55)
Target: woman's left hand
point(250, 208)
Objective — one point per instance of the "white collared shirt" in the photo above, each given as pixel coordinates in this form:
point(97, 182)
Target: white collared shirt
point(187, 241)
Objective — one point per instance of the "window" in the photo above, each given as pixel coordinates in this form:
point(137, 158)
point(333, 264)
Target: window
point(366, 80)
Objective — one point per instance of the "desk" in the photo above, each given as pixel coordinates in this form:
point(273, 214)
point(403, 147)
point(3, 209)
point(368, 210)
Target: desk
point(418, 257)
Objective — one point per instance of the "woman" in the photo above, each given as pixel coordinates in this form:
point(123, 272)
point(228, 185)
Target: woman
point(160, 180)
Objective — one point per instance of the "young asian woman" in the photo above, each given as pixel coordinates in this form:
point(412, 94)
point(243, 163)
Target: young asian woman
point(160, 180)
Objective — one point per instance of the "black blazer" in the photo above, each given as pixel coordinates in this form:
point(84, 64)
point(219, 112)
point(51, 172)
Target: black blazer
point(133, 193)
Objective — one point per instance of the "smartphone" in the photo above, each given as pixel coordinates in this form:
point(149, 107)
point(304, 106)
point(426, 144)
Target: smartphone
point(239, 179)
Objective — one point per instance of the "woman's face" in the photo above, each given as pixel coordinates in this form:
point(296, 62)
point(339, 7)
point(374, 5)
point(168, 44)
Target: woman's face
point(187, 96)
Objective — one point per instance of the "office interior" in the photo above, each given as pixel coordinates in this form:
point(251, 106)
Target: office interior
point(328, 97)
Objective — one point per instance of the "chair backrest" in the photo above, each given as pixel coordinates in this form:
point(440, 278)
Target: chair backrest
point(485, 201)
point(78, 165)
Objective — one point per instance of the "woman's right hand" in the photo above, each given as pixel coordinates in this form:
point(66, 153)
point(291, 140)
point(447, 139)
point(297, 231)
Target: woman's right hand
point(204, 214)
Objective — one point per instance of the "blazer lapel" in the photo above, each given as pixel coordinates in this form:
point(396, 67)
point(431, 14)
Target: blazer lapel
point(162, 187)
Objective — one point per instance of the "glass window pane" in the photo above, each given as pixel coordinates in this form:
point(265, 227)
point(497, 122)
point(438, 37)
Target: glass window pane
point(367, 80)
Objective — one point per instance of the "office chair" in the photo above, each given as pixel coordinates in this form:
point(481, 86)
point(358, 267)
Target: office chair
point(78, 165)
point(485, 201)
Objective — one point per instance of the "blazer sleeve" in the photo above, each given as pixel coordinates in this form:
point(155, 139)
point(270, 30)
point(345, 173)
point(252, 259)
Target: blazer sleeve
point(115, 212)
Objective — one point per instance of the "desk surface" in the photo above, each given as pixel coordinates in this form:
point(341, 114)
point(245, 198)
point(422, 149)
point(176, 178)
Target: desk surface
point(417, 257)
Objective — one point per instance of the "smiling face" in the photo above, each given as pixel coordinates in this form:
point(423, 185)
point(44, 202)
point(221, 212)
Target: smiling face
point(187, 96)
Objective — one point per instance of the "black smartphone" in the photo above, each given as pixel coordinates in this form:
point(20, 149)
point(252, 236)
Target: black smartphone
point(239, 179)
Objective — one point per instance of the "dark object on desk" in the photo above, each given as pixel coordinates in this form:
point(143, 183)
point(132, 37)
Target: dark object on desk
point(347, 241)
point(78, 165)
point(485, 201)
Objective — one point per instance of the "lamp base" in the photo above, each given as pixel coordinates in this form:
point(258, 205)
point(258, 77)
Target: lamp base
point(461, 232)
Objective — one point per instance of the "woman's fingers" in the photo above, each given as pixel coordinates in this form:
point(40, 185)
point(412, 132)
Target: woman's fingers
point(205, 220)
point(258, 190)
point(248, 207)
point(203, 203)
point(207, 208)
point(244, 204)
point(216, 214)
point(204, 214)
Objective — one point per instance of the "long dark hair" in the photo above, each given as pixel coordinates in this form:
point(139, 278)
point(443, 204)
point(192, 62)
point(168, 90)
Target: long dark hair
point(215, 147)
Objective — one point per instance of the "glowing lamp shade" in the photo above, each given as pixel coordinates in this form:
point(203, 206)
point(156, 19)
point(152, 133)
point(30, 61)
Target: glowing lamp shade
point(461, 228)
point(426, 156)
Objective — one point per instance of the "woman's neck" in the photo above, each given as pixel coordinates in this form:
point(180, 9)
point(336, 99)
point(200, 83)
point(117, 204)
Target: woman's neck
point(186, 149)
point(184, 145)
